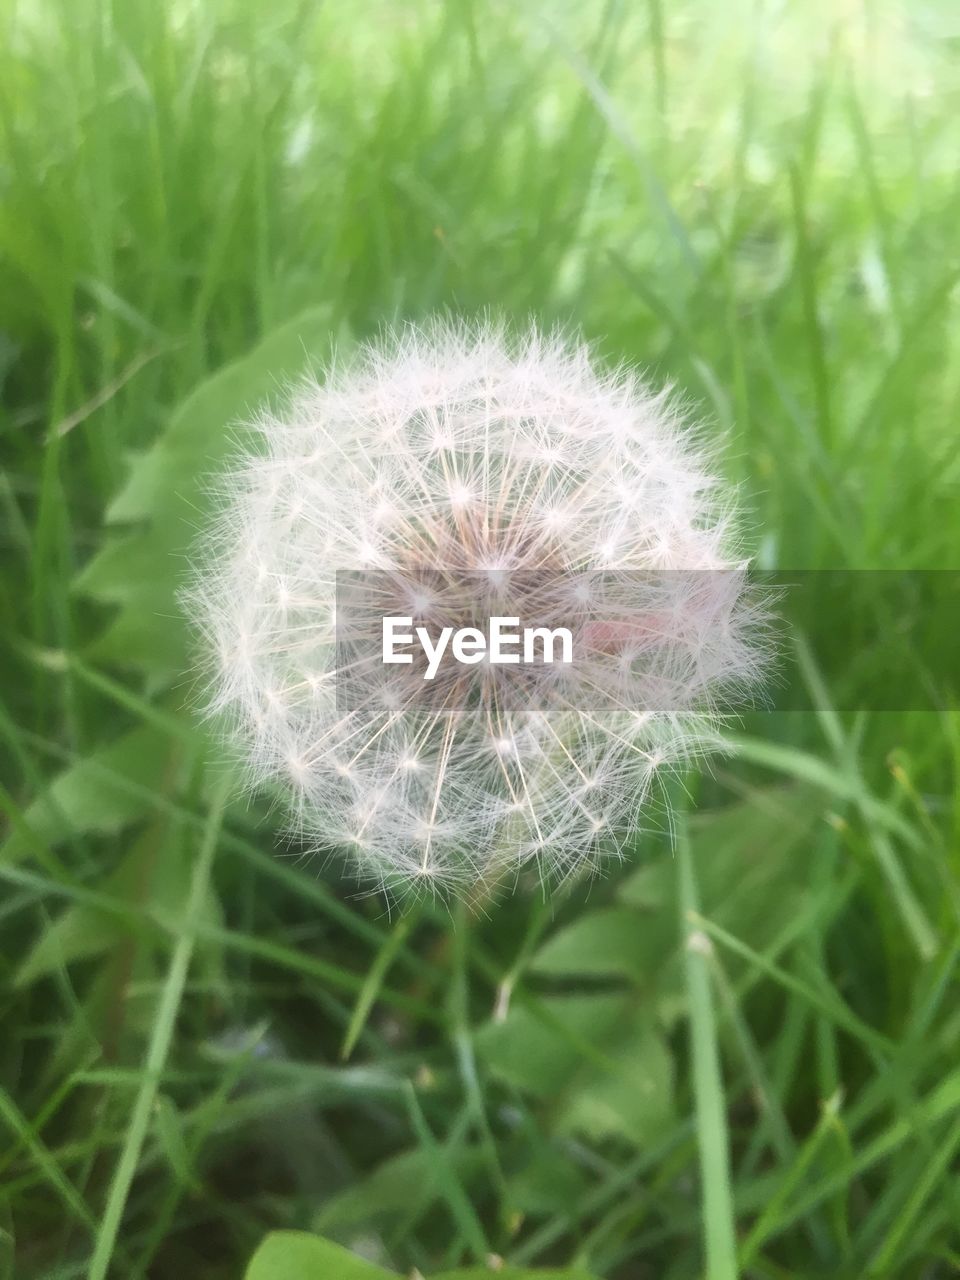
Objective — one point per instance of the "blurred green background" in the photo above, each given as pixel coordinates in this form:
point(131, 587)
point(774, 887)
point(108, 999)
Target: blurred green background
point(738, 1053)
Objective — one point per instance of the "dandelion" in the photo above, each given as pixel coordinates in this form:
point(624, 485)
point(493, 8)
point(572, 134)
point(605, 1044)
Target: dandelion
point(446, 476)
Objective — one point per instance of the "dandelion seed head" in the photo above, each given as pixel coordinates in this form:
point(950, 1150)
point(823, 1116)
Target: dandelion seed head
point(463, 470)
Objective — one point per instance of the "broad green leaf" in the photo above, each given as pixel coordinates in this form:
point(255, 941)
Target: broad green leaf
point(78, 1043)
point(549, 1183)
point(635, 1101)
point(80, 931)
point(746, 859)
point(296, 1255)
point(511, 1273)
point(538, 1058)
point(635, 942)
point(155, 873)
point(202, 431)
point(651, 885)
point(617, 941)
point(745, 856)
point(626, 1094)
point(94, 795)
point(166, 496)
point(406, 1183)
point(83, 930)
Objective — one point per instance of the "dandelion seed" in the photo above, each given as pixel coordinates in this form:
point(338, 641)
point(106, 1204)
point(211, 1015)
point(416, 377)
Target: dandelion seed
point(459, 472)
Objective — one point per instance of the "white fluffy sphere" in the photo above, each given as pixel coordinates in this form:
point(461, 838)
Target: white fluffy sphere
point(446, 469)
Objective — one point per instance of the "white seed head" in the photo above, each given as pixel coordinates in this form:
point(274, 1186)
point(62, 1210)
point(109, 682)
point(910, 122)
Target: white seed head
point(457, 470)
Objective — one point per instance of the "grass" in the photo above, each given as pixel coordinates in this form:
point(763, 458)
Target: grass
point(732, 1058)
point(707, 1080)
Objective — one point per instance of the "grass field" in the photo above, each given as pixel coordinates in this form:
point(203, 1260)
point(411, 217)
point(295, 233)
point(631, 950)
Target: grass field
point(737, 1054)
